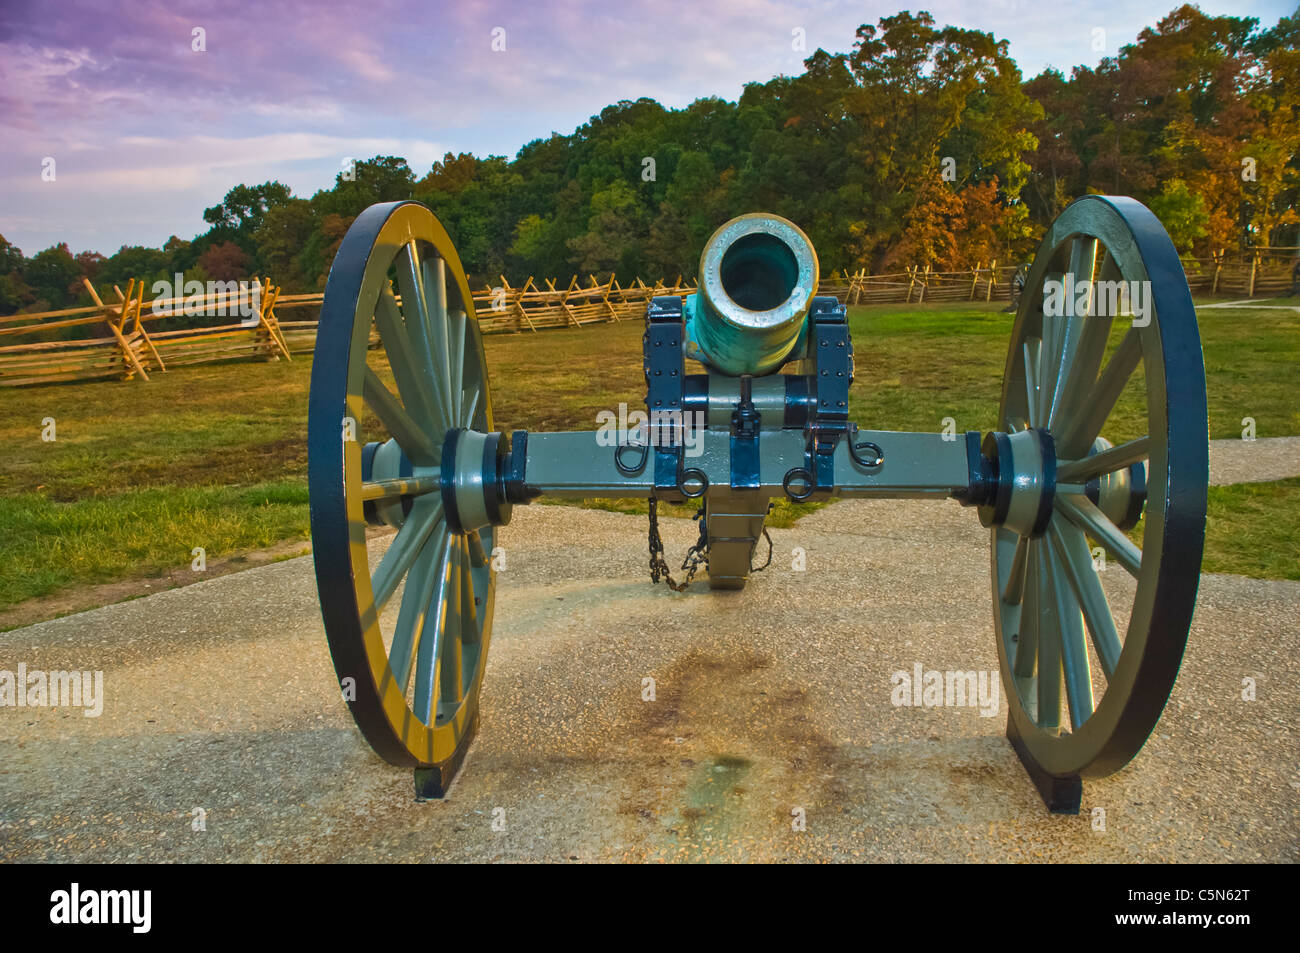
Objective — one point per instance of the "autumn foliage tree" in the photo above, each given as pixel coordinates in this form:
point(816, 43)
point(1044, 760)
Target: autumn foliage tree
point(1200, 118)
point(922, 144)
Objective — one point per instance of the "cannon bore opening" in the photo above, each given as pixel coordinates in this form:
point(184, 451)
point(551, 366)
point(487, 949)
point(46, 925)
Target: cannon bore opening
point(759, 272)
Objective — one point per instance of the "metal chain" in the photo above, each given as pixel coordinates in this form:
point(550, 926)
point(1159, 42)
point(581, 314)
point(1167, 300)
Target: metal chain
point(696, 556)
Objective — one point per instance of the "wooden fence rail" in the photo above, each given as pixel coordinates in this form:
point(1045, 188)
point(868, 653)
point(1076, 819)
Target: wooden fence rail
point(121, 343)
point(126, 343)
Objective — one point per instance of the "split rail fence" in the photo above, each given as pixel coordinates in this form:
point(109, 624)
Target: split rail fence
point(125, 340)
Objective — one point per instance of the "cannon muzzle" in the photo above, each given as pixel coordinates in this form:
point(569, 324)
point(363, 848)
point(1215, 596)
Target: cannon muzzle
point(758, 274)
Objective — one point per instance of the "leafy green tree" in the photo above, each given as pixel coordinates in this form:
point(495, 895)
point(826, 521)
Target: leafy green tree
point(137, 261)
point(53, 276)
point(281, 240)
point(380, 179)
point(321, 247)
point(1182, 212)
point(612, 242)
point(241, 212)
point(15, 293)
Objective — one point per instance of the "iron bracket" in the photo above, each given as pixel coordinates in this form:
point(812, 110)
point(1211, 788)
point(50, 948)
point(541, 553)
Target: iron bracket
point(832, 353)
point(665, 378)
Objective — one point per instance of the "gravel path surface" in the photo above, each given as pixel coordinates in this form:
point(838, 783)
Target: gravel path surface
point(221, 696)
point(1254, 461)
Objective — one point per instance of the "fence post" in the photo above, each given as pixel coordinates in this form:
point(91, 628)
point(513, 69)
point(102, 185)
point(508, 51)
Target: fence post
point(613, 315)
point(564, 300)
point(131, 364)
point(519, 303)
point(143, 332)
point(975, 280)
point(271, 323)
point(1254, 263)
point(993, 277)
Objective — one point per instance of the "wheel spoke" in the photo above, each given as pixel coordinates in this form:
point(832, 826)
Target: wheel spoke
point(1107, 461)
point(413, 276)
point(410, 436)
point(1072, 549)
point(469, 619)
point(477, 556)
point(425, 515)
point(1078, 436)
point(1083, 260)
point(427, 668)
point(1031, 351)
point(450, 682)
point(1027, 637)
point(435, 280)
point(1049, 645)
point(413, 381)
point(1083, 513)
point(1074, 650)
point(467, 418)
point(460, 322)
point(1014, 590)
point(1048, 352)
point(414, 613)
point(410, 279)
point(1088, 354)
point(435, 275)
point(399, 487)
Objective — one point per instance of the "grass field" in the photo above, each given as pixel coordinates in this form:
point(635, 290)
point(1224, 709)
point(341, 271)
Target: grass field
point(141, 473)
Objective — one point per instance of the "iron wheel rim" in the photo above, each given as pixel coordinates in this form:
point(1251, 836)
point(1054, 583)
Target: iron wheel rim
point(1130, 238)
point(387, 236)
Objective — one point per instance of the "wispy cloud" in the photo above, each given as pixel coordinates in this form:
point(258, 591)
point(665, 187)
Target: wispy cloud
point(147, 131)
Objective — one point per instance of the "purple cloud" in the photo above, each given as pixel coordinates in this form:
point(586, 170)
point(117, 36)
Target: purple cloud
point(146, 132)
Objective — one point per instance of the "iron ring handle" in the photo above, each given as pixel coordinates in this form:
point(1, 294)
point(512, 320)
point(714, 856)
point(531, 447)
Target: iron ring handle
point(854, 447)
point(692, 473)
point(799, 473)
point(634, 470)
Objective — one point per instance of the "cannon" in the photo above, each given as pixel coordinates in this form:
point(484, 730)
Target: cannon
point(747, 401)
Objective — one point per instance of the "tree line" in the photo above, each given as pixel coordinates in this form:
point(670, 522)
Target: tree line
point(922, 145)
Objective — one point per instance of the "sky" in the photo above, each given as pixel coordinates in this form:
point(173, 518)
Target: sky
point(145, 131)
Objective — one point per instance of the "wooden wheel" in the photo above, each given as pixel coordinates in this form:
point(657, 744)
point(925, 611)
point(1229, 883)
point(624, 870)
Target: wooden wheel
point(409, 632)
point(1103, 416)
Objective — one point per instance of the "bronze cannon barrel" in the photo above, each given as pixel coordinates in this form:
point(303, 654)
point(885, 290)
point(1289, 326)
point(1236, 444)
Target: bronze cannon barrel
point(758, 274)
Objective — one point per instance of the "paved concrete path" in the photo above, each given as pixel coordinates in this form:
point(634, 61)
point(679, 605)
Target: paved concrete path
point(1254, 461)
point(221, 696)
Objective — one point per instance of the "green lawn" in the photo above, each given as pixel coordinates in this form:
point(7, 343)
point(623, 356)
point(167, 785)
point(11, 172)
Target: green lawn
point(146, 532)
point(215, 456)
point(1254, 529)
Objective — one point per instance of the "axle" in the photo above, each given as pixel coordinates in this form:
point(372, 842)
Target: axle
point(916, 465)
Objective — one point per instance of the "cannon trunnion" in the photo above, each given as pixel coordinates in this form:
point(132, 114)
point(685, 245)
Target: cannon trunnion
point(747, 401)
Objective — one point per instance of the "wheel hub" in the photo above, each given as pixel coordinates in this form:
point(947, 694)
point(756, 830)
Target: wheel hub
point(1120, 494)
point(386, 461)
point(473, 480)
point(1022, 466)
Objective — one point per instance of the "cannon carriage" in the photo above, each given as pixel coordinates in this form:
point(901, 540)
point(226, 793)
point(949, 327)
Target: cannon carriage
point(747, 401)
